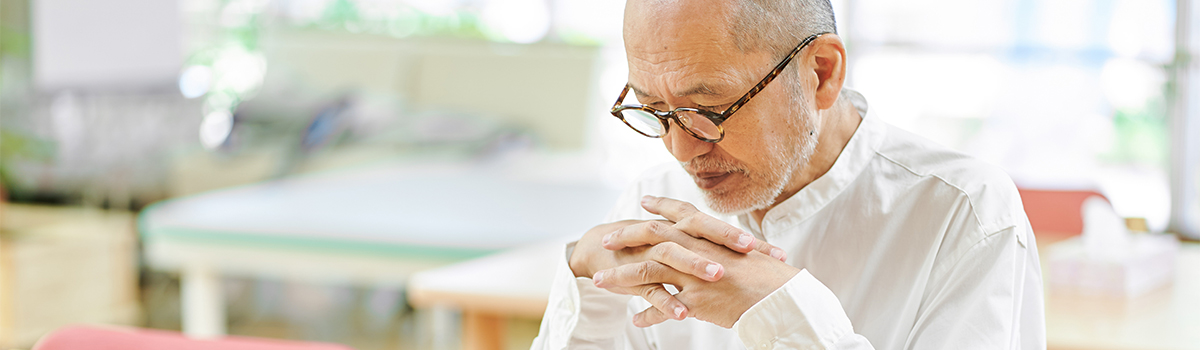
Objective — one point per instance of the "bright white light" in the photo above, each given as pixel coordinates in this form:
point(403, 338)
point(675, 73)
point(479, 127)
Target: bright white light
point(1142, 29)
point(977, 24)
point(593, 19)
point(1138, 192)
point(215, 129)
point(305, 11)
point(237, 13)
point(1064, 23)
point(1125, 32)
point(905, 87)
point(239, 70)
point(220, 100)
point(195, 81)
point(1129, 83)
point(518, 21)
point(436, 8)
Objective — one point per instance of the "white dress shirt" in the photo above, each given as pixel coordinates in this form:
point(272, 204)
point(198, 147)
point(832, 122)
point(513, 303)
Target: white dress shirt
point(904, 244)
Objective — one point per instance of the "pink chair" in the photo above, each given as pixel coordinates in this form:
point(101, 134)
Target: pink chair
point(1055, 214)
point(114, 338)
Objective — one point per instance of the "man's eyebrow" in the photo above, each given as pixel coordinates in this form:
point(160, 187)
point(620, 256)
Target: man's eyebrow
point(698, 89)
point(638, 92)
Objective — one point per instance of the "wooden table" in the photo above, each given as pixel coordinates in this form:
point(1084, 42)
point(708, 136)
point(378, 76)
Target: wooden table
point(491, 289)
point(373, 225)
point(1165, 319)
point(517, 284)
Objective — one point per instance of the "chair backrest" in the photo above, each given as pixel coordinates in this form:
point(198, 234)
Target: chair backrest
point(1056, 213)
point(114, 338)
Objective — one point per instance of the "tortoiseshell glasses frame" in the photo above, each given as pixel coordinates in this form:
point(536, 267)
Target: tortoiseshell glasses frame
point(710, 131)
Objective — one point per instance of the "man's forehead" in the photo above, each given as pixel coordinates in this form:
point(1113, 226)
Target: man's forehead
point(696, 71)
point(685, 42)
point(684, 19)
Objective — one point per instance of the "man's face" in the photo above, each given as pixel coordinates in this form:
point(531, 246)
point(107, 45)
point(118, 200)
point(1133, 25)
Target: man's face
point(682, 56)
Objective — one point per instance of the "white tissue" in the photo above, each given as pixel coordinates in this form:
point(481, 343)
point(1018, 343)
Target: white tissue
point(1104, 233)
point(1108, 259)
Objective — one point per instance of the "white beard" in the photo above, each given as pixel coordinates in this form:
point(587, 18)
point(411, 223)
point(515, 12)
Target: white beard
point(782, 159)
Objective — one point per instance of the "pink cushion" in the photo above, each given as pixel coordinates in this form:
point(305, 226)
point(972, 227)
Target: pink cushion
point(112, 338)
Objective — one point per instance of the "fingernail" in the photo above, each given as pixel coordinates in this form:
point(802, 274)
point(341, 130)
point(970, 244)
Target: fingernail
point(745, 241)
point(606, 238)
point(778, 254)
point(679, 312)
point(597, 278)
point(646, 199)
point(712, 270)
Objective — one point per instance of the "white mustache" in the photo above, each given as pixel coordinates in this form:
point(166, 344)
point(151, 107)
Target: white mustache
point(711, 164)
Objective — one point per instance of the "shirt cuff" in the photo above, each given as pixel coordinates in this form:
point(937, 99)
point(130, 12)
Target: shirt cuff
point(801, 314)
point(595, 313)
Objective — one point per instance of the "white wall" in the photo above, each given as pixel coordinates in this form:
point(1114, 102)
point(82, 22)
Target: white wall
point(106, 44)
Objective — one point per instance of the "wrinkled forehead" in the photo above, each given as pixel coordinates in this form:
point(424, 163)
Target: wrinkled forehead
point(669, 41)
point(651, 24)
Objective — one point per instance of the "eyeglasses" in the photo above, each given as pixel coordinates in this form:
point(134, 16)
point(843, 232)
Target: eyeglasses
point(701, 124)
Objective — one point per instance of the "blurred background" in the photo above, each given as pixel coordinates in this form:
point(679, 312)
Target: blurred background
point(295, 169)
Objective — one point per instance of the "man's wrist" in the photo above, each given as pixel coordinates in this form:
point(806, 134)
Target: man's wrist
point(578, 267)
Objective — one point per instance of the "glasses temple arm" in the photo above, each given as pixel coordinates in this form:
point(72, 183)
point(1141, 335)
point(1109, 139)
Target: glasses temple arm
point(621, 97)
point(767, 79)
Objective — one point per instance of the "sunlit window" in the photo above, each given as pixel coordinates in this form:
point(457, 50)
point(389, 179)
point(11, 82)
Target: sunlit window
point(1062, 94)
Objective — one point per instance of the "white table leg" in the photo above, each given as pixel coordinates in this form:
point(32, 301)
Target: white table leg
point(203, 302)
point(443, 327)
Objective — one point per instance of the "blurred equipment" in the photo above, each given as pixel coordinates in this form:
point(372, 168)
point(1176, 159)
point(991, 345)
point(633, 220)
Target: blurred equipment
point(106, 338)
point(63, 266)
point(98, 149)
point(369, 226)
point(544, 88)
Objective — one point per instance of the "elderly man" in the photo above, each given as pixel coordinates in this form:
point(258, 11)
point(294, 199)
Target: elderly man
point(798, 219)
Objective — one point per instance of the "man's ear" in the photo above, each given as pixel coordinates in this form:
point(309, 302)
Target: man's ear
point(827, 58)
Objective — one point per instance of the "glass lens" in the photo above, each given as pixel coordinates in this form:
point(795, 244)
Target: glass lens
point(699, 124)
point(643, 122)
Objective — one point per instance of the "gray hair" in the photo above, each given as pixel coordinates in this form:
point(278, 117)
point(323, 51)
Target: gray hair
point(777, 26)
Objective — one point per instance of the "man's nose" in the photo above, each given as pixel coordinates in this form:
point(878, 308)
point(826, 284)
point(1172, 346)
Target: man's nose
point(683, 146)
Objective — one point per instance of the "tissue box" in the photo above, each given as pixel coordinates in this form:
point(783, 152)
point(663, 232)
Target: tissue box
point(1148, 264)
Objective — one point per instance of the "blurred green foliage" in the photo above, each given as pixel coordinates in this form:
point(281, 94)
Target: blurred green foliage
point(1142, 135)
point(16, 146)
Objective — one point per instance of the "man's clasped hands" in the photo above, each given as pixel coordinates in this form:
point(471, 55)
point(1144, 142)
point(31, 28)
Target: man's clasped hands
point(719, 270)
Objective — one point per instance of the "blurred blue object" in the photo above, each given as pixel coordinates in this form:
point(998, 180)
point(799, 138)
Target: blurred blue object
point(323, 125)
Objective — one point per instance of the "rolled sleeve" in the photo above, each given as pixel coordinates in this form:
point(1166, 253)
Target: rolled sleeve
point(802, 314)
point(579, 315)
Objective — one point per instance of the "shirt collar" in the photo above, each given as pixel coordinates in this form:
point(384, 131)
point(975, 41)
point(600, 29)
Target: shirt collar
point(853, 159)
